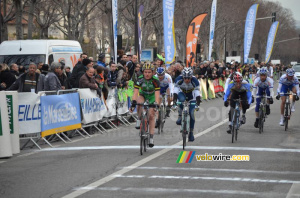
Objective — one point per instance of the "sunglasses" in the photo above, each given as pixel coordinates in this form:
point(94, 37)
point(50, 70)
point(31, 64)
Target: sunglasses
point(185, 78)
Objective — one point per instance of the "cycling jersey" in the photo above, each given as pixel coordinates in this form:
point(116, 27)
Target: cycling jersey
point(259, 86)
point(246, 87)
point(191, 90)
point(165, 84)
point(285, 84)
point(147, 88)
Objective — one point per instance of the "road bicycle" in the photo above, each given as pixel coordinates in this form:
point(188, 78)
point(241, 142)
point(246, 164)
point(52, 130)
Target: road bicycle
point(235, 121)
point(262, 112)
point(162, 114)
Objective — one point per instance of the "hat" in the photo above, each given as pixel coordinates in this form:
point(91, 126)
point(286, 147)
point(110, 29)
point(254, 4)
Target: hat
point(86, 61)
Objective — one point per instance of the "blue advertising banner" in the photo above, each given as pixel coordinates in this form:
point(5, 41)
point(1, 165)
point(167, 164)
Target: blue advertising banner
point(60, 113)
point(249, 30)
point(271, 39)
point(212, 27)
point(169, 32)
point(115, 27)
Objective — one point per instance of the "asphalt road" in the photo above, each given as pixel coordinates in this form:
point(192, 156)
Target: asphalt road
point(109, 164)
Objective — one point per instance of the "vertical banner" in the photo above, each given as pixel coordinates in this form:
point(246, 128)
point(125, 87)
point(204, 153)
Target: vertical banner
point(212, 27)
point(60, 113)
point(12, 107)
point(271, 39)
point(169, 32)
point(249, 30)
point(140, 29)
point(191, 39)
point(5, 142)
point(115, 27)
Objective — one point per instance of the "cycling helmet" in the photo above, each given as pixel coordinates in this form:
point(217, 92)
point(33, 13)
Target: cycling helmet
point(160, 71)
point(148, 66)
point(187, 72)
point(263, 71)
point(290, 72)
point(237, 77)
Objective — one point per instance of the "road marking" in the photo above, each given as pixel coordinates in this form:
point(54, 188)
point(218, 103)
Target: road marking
point(238, 179)
point(110, 177)
point(294, 192)
point(218, 170)
point(172, 147)
point(184, 191)
point(2, 162)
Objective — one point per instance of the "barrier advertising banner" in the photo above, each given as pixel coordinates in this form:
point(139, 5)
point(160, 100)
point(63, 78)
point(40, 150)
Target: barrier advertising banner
point(169, 31)
point(271, 39)
point(12, 107)
point(29, 113)
point(111, 102)
point(60, 113)
point(249, 30)
point(191, 39)
point(93, 107)
point(5, 142)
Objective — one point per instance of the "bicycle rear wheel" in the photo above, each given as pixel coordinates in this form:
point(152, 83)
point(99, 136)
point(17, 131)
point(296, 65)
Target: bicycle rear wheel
point(159, 120)
point(146, 143)
point(233, 126)
point(236, 133)
point(260, 122)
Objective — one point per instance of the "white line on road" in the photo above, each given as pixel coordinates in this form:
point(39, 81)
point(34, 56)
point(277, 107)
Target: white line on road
point(110, 177)
point(2, 162)
point(237, 179)
point(184, 191)
point(294, 192)
point(218, 170)
point(173, 147)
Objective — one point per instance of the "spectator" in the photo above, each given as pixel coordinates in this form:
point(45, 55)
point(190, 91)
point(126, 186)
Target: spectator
point(52, 82)
point(14, 69)
point(121, 72)
point(112, 75)
point(101, 60)
point(6, 77)
point(137, 72)
point(200, 72)
point(68, 71)
point(101, 79)
point(40, 65)
point(129, 57)
point(87, 80)
point(62, 77)
point(178, 69)
point(45, 69)
point(79, 71)
point(131, 66)
point(124, 58)
point(28, 82)
point(22, 70)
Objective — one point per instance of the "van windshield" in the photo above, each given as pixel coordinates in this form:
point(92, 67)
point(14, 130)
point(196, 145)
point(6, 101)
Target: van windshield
point(23, 59)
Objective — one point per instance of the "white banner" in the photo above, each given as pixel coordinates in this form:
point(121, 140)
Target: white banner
point(5, 142)
point(212, 27)
point(93, 107)
point(29, 113)
point(123, 103)
point(111, 102)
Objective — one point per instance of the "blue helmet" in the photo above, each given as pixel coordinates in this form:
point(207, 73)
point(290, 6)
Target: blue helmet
point(290, 72)
point(263, 71)
point(160, 71)
point(187, 72)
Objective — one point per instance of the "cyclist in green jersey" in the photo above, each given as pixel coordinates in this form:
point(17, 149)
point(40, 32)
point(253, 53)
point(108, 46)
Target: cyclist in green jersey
point(146, 88)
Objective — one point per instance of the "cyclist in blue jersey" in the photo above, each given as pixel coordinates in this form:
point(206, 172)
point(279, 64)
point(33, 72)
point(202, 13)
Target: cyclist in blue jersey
point(261, 85)
point(238, 88)
point(187, 88)
point(287, 82)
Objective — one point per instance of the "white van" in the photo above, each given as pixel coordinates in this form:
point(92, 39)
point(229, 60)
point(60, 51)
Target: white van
point(22, 52)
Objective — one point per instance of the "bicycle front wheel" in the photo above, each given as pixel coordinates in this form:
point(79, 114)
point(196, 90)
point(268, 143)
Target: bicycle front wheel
point(260, 122)
point(184, 132)
point(286, 117)
point(233, 126)
point(142, 133)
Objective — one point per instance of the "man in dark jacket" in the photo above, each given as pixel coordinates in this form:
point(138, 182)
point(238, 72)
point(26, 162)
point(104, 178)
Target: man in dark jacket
point(52, 82)
point(87, 80)
point(6, 77)
point(28, 82)
point(112, 75)
point(14, 69)
point(131, 66)
point(78, 71)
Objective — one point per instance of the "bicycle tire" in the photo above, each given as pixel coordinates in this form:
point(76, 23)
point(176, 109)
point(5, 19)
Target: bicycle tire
point(260, 122)
point(184, 132)
point(286, 117)
point(162, 123)
point(236, 133)
point(233, 126)
point(159, 120)
point(145, 144)
point(142, 128)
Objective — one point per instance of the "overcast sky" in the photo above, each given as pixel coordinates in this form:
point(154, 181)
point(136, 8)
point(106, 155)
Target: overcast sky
point(294, 5)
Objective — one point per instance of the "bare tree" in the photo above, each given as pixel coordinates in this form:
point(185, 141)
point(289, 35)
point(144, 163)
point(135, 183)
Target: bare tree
point(6, 15)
